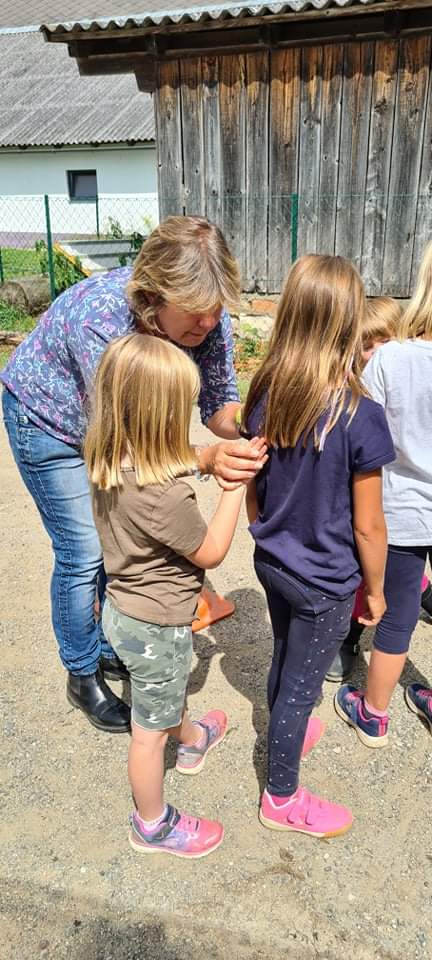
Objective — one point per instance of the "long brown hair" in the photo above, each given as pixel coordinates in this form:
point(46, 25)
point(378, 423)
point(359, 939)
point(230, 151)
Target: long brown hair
point(185, 261)
point(313, 354)
point(142, 406)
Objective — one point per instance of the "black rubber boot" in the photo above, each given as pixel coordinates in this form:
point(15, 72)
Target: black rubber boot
point(113, 669)
point(426, 599)
point(344, 661)
point(101, 706)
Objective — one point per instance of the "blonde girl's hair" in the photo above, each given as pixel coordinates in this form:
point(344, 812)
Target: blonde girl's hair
point(417, 319)
point(142, 406)
point(313, 359)
point(186, 262)
point(382, 319)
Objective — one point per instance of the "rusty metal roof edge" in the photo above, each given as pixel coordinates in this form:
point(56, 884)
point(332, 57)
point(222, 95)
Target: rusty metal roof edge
point(205, 12)
point(85, 143)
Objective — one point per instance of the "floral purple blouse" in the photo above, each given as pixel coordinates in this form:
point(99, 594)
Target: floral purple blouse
point(52, 371)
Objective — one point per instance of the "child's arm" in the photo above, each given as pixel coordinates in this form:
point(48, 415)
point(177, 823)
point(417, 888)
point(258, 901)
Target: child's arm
point(371, 538)
point(220, 531)
point(251, 501)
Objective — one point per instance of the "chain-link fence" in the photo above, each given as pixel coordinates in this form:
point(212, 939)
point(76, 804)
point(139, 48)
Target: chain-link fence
point(62, 241)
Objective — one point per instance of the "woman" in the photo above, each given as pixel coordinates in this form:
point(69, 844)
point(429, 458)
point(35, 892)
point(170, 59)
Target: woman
point(183, 280)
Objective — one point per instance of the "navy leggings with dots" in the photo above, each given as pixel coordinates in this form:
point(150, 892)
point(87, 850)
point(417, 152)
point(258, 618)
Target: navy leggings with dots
point(308, 629)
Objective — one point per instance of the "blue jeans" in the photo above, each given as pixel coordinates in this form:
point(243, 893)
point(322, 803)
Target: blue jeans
point(308, 629)
point(56, 477)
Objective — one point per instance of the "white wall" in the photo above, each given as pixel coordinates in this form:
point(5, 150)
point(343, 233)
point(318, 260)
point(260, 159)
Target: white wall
point(126, 181)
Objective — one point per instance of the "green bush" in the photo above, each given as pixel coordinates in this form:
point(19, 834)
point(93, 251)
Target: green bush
point(66, 273)
point(13, 318)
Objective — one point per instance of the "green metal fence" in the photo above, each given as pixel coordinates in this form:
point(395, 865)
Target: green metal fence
point(51, 237)
point(383, 234)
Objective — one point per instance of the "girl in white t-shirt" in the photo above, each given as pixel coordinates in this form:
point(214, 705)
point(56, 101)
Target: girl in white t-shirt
point(399, 377)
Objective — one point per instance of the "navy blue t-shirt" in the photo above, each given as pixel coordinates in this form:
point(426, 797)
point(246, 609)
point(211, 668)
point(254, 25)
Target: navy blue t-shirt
point(305, 497)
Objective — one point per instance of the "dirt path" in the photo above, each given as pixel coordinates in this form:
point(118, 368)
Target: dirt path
point(70, 886)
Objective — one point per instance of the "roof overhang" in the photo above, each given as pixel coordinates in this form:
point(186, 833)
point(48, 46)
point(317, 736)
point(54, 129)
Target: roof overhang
point(137, 44)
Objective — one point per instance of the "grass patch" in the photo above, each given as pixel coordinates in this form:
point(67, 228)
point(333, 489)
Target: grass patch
point(17, 262)
point(13, 318)
point(5, 353)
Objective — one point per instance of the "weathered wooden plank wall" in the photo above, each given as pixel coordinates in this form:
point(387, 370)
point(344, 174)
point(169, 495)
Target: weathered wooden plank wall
point(192, 136)
point(283, 168)
point(310, 148)
point(423, 227)
point(169, 137)
point(257, 181)
point(346, 129)
point(379, 160)
point(356, 101)
point(331, 113)
point(410, 111)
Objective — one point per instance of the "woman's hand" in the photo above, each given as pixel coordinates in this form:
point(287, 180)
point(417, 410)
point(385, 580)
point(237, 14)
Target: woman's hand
point(234, 461)
point(375, 609)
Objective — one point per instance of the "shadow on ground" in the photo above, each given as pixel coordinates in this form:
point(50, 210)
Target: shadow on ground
point(73, 929)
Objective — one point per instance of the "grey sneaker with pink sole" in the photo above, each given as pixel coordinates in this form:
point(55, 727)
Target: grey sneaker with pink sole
point(190, 760)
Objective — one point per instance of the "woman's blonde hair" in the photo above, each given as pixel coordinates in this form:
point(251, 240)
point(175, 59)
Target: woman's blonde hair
point(142, 406)
point(312, 363)
point(417, 319)
point(186, 262)
point(382, 319)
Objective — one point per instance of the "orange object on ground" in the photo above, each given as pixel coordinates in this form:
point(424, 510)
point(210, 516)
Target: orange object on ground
point(211, 608)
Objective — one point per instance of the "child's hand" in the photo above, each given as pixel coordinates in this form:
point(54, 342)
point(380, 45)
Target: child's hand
point(237, 461)
point(375, 610)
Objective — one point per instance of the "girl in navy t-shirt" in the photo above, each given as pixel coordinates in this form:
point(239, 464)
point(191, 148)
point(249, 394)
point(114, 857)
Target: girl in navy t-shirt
point(315, 513)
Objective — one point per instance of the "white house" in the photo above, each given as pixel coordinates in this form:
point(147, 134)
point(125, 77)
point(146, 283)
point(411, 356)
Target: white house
point(86, 142)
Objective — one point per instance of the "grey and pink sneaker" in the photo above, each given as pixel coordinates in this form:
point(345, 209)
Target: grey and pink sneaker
point(191, 760)
point(304, 812)
point(178, 834)
point(371, 730)
point(419, 700)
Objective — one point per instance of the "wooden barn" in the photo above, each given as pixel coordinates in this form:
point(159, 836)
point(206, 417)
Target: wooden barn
point(298, 126)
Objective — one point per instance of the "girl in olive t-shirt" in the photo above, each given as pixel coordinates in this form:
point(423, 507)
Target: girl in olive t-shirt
point(156, 546)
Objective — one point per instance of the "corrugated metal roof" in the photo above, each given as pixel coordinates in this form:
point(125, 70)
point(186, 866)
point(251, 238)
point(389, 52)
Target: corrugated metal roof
point(157, 12)
point(18, 14)
point(45, 101)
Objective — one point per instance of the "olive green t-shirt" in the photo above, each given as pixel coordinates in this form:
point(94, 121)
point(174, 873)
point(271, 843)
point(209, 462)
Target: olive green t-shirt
point(146, 533)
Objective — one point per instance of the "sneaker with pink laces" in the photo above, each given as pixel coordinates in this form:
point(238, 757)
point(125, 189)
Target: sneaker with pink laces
point(304, 812)
point(314, 731)
point(178, 834)
point(191, 760)
point(371, 730)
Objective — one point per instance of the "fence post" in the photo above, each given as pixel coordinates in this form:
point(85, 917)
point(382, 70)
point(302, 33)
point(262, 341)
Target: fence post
point(1, 267)
point(294, 225)
point(97, 216)
point(51, 272)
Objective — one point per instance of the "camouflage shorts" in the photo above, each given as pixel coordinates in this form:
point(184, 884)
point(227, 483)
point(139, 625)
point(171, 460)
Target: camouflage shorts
point(159, 662)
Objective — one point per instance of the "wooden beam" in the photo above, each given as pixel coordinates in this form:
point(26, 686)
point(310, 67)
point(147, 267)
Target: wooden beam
point(220, 42)
point(145, 75)
point(105, 66)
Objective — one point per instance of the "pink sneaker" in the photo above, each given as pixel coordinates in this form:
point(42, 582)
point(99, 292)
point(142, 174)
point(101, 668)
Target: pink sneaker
point(191, 760)
point(305, 813)
point(178, 834)
point(314, 731)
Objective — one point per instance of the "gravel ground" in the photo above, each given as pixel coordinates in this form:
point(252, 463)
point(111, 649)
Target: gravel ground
point(71, 888)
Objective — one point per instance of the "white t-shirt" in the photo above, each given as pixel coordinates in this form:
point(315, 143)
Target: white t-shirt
point(399, 377)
